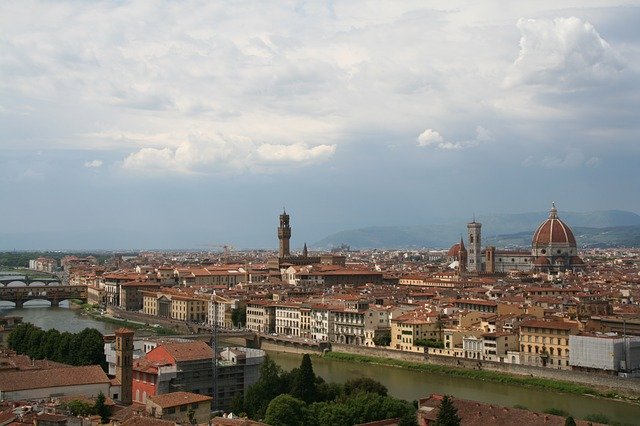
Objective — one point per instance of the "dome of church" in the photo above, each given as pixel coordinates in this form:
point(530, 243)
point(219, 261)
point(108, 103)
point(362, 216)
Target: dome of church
point(454, 250)
point(553, 231)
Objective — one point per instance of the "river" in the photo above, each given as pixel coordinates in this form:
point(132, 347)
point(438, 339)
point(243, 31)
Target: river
point(405, 384)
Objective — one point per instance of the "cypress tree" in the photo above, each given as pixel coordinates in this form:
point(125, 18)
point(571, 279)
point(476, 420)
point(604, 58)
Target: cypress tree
point(304, 384)
point(447, 413)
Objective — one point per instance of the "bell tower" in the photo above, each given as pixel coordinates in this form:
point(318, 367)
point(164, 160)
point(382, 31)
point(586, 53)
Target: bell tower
point(475, 248)
point(284, 235)
point(462, 259)
point(124, 364)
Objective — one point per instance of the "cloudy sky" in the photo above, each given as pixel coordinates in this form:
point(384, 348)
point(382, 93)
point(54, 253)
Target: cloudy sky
point(181, 124)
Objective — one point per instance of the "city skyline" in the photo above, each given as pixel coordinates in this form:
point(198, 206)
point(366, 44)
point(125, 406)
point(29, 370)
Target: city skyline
point(132, 120)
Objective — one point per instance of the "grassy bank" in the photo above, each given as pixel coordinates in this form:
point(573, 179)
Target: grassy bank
point(492, 376)
point(94, 312)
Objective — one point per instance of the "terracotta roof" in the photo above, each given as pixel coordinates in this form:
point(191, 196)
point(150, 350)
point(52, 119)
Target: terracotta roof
point(553, 231)
point(175, 399)
point(188, 351)
point(454, 250)
point(555, 325)
point(474, 413)
point(146, 421)
point(37, 379)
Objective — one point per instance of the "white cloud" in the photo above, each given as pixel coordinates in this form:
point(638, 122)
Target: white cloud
point(147, 80)
point(431, 138)
point(93, 164)
point(151, 159)
point(221, 154)
point(562, 53)
point(298, 152)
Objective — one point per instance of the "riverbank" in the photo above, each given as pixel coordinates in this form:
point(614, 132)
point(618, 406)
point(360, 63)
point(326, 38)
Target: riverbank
point(497, 377)
point(98, 315)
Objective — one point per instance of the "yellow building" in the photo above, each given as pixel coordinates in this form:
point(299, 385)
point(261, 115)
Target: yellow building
point(546, 343)
point(408, 328)
point(175, 305)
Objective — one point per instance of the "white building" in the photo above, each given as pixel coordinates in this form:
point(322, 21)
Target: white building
point(605, 351)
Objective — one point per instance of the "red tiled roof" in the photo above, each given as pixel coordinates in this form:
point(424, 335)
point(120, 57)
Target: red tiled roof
point(37, 379)
point(175, 399)
point(189, 351)
point(555, 325)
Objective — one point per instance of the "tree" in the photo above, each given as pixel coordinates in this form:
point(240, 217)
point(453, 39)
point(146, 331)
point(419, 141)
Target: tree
point(191, 414)
point(382, 340)
point(447, 413)
point(268, 386)
point(238, 317)
point(49, 344)
point(101, 409)
point(285, 410)
point(63, 349)
point(91, 348)
point(78, 408)
point(304, 382)
point(569, 421)
point(364, 384)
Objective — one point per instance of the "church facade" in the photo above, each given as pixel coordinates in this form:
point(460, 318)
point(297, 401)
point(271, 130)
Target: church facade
point(553, 250)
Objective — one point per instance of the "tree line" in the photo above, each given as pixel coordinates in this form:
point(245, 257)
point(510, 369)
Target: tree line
point(83, 348)
point(299, 397)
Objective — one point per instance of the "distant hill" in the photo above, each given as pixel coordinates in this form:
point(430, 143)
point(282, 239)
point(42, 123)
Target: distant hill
point(617, 236)
point(595, 229)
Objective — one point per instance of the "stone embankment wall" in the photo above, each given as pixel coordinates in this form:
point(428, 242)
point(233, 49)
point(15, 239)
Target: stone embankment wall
point(275, 347)
point(179, 326)
point(378, 352)
point(591, 379)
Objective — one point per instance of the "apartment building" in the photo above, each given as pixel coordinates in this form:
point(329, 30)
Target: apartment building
point(287, 319)
point(409, 327)
point(546, 343)
point(347, 326)
point(175, 304)
point(261, 316)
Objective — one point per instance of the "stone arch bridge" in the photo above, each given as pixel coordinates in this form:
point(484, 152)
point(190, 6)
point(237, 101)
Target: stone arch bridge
point(20, 292)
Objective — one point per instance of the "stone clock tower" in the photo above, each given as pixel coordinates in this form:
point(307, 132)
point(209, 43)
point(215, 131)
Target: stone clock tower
point(284, 235)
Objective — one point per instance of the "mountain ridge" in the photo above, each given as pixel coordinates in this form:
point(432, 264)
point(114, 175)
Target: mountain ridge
point(592, 229)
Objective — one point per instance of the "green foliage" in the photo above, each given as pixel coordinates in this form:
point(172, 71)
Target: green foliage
point(522, 407)
point(239, 317)
point(101, 409)
point(382, 339)
point(303, 385)
point(327, 404)
point(447, 413)
point(78, 408)
point(569, 421)
point(361, 407)
point(285, 410)
point(364, 384)
point(598, 418)
point(20, 259)
point(556, 412)
point(268, 386)
point(191, 414)
point(84, 348)
point(430, 343)
point(472, 374)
